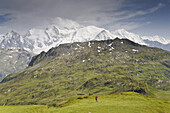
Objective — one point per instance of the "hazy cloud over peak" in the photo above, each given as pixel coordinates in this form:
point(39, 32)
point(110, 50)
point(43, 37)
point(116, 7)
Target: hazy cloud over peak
point(21, 15)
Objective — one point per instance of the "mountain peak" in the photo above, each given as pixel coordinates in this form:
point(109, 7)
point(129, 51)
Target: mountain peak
point(12, 34)
point(122, 33)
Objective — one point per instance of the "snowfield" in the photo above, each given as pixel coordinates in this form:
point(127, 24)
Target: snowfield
point(63, 31)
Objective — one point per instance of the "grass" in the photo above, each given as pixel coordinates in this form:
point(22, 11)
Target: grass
point(26, 109)
point(164, 95)
point(117, 103)
point(128, 102)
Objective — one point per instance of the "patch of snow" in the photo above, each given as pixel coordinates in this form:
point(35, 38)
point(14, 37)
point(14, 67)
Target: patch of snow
point(89, 44)
point(9, 90)
point(160, 81)
point(78, 45)
point(10, 56)
point(110, 44)
point(35, 76)
point(134, 50)
point(111, 48)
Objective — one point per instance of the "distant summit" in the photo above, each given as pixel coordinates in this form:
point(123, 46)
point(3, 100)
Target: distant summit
point(13, 60)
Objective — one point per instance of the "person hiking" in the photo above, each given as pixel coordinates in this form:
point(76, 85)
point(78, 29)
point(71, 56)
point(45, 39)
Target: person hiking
point(96, 98)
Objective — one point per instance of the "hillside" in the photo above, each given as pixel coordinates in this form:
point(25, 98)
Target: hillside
point(98, 67)
point(114, 103)
point(13, 60)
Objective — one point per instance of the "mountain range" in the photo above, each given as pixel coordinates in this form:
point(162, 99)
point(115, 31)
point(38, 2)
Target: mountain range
point(13, 60)
point(63, 31)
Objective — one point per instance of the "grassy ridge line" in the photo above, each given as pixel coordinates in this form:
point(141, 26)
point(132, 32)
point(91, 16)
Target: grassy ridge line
point(128, 102)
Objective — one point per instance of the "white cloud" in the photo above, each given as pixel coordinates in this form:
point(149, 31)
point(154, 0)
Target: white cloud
point(127, 25)
point(27, 14)
point(114, 20)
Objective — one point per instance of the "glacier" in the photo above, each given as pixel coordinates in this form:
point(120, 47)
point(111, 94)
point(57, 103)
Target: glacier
point(63, 31)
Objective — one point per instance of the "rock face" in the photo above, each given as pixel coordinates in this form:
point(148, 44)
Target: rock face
point(13, 60)
point(64, 31)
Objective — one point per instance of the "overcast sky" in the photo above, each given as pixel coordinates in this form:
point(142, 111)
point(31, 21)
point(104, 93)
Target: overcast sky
point(145, 17)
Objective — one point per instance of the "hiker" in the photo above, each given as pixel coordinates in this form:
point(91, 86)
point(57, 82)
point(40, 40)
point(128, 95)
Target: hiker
point(5, 102)
point(96, 98)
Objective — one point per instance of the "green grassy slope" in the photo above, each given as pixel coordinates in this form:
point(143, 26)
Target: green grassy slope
point(98, 67)
point(115, 103)
point(26, 109)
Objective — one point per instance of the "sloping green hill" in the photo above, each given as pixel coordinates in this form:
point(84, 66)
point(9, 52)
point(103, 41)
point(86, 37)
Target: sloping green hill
point(115, 103)
point(98, 67)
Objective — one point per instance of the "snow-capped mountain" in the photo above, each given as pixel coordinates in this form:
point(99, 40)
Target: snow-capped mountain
point(156, 38)
point(158, 44)
point(157, 41)
point(13, 39)
point(122, 33)
point(13, 60)
point(62, 31)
